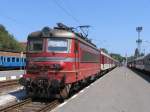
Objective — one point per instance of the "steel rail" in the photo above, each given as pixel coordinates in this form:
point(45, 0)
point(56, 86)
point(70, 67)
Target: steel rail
point(8, 83)
point(16, 105)
point(33, 108)
point(49, 106)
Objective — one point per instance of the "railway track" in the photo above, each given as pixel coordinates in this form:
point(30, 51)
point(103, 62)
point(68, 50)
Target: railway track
point(30, 106)
point(9, 83)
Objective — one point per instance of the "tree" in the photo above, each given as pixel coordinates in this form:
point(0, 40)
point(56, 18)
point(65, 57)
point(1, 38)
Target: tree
point(8, 41)
point(136, 54)
point(142, 54)
point(104, 50)
point(117, 57)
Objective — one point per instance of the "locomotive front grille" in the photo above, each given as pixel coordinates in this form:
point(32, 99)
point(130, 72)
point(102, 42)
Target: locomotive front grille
point(37, 69)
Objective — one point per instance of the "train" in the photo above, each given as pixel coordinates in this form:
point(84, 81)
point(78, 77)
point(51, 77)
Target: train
point(140, 63)
point(12, 60)
point(58, 60)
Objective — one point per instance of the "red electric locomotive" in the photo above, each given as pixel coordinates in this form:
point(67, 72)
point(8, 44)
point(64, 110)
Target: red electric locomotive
point(57, 60)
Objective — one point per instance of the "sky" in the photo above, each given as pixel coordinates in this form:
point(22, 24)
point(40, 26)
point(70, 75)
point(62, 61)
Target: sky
point(113, 22)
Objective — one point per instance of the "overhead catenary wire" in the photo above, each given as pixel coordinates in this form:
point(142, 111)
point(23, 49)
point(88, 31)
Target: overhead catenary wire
point(9, 18)
point(66, 12)
point(72, 16)
point(15, 21)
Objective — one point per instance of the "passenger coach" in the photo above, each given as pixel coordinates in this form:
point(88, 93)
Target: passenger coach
point(141, 63)
point(11, 60)
point(107, 62)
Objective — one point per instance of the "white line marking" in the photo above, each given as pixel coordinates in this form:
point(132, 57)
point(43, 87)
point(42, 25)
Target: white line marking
point(82, 91)
point(74, 96)
point(62, 104)
point(87, 87)
point(92, 84)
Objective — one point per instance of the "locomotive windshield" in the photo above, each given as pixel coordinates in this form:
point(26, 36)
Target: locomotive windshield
point(58, 44)
point(36, 45)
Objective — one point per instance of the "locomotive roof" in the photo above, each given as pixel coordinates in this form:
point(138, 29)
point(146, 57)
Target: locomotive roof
point(53, 33)
point(61, 32)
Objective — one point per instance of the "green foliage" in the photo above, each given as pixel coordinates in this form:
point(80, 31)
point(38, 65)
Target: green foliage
point(104, 50)
point(114, 55)
point(142, 54)
point(8, 41)
point(131, 58)
point(117, 57)
point(136, 54)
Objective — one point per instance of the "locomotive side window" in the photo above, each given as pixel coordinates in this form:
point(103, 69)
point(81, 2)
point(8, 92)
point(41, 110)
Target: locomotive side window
point(58, 44)
point(36, 45)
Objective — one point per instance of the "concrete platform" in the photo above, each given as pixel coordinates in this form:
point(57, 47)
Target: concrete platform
point(121, 90)
point(11, 74)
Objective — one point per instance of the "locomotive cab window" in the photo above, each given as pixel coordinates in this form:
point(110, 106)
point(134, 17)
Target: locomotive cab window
point(35, 45)
point(58, 45)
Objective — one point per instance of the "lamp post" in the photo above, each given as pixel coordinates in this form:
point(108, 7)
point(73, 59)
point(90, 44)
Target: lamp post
point(139, 41)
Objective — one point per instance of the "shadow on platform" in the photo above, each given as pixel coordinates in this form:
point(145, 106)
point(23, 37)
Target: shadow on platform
point(144, 75)
point(21, 94)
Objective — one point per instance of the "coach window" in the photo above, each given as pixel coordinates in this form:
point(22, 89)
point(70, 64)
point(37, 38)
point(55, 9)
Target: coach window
point(13, 59)
point(2, 58)
point(8, 59)
point(17, 60)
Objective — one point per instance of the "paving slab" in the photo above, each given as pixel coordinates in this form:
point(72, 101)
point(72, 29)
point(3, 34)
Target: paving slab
point(121, 90)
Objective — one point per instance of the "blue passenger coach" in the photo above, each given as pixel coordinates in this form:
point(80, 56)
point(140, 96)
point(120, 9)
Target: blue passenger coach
point(12, 60)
